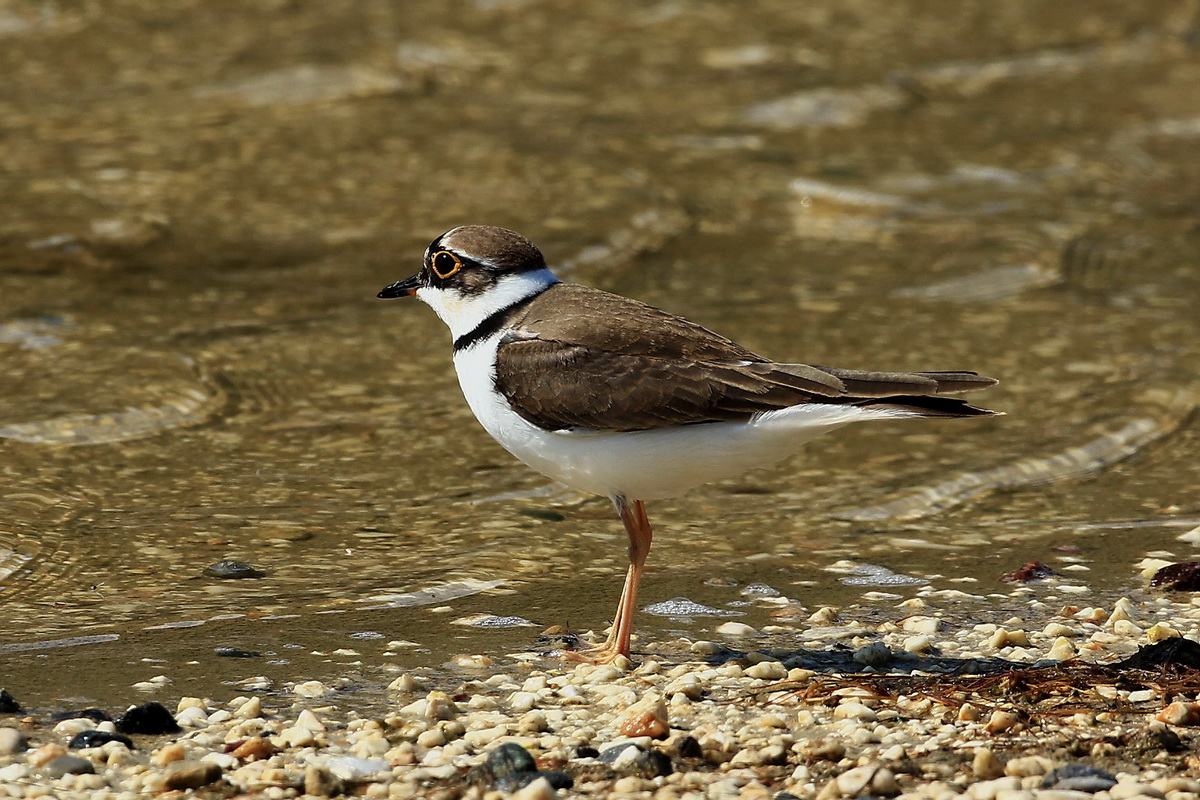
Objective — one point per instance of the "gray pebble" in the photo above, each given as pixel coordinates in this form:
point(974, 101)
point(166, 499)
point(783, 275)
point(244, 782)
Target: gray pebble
point(1079, 778)
point(509, 759)
point(232, 570)
point(646, 763)
point(67, 765)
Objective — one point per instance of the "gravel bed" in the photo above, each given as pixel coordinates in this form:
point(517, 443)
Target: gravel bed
point(707, 722)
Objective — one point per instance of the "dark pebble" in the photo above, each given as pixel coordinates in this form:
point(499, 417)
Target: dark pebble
point(1032, 571)
point(67, 765)
point(688, 747)
point(151, 718)
point(548, 514)
point(231, 570)
point(647, 763)
point(1183, 577)
point(609, 755)
point(96, 738)
point(519, 780)
point(1174, 652)
point(509, 759)
point(233, 652)
point(1079, 778)
point(94, 714)
point(586, 751)
point(8, 703)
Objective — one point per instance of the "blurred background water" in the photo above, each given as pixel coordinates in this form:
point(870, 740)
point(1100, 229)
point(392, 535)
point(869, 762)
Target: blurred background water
point(199, 200)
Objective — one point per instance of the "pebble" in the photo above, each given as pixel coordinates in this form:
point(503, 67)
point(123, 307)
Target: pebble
point(149, 718)
point(8, 703)
point(190, 775)
point(1180, 713)
point(986, 765)
point(539, 789)
point(1001, 721)
point(320, 782)
point(12, 741)
point(875, 654)
point(67, 765)
point(1080, 778)
point(521, 729)
point(1027, 766)
point(736, 629)
point(647, 717)
point(96, 738)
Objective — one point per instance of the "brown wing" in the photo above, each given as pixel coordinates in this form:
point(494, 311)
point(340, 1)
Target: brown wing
point(640, 368)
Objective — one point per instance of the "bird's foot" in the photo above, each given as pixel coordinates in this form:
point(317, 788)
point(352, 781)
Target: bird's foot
point(605, 653)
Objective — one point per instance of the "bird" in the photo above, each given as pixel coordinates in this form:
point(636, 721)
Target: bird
point(617, 398)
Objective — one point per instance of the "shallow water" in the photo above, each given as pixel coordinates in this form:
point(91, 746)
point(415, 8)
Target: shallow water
point(200, 206)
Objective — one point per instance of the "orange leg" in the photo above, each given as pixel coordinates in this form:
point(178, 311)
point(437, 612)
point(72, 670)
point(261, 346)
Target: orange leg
point(637, 525)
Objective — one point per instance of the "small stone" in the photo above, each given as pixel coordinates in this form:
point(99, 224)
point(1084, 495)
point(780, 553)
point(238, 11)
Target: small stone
point(511, 783)
point(1180, 713)
point(869, 780)
point(321, 782)
point(256, 748)
point(735, 629)
point(311, 689)
point(1001, 721)
point(14, 773)
point(8, 703)
point(1005, 638)
point(67, 765)
point(968, 713)
point(825, 615)
point(875, 654)
point(95, 738)
point(354, 769)
point(190, 774)
point(918, 645)
point(919, 623)
point(168, 754)
point(538, 789)
point(150, 718)
point(767, 670)
point(406, 683)
point(986, 765)
point(251, 709)
point(509, 759)
point(634, 760)
point(647, 717)
point(823, 750)
point(296, 737)
point(12, 741)
point(1125, 791)
point(307, 719)
point(851, 709)
point(232, 570)
point(1079, 778)
point(1028, 766)
point(1160, 631)
point(46, 753)
point(1062, 650)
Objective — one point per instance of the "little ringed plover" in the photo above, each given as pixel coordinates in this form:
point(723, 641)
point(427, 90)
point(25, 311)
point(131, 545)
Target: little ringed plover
point(617, 398)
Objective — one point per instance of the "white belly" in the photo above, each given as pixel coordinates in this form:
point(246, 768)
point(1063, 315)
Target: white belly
point(651, 464)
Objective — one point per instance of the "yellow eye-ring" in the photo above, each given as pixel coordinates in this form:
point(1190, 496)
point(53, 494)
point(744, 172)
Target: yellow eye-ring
point(445, 263)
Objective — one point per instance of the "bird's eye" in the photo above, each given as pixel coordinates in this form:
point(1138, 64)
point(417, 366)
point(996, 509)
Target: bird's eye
point(445, 263)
